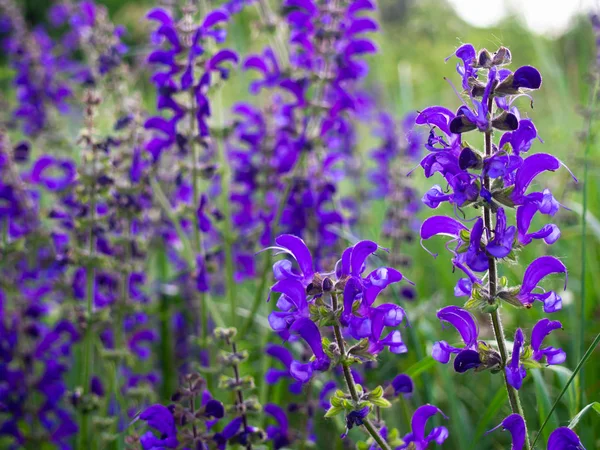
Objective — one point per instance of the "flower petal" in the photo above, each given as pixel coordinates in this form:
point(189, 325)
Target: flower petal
point(516, 426)
point(564, 438)
point(360, 252)
point(539, 269)
point(463, 321)
point(298, 249)
point(420, 418)
point(532, 166)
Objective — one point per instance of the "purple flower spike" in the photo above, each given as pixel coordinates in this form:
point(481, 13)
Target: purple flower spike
point(516, 426)
point(564, 438)
point(540, 330)
point(537, 270)
point(515, 372)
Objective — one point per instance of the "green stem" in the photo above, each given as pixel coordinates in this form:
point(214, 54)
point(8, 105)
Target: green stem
point(371, 429)
point(239, 394)
point(513, 394)
point(260, 292)
point(582, 361)
point(197, 243)
point(88, 349)
point(166, 352)
point(584, 242)
point(228, 237)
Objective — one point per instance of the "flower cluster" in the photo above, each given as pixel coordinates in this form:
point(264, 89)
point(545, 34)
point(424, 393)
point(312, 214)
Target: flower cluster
point(309, 311)
point(291, 155)
point(495, 179)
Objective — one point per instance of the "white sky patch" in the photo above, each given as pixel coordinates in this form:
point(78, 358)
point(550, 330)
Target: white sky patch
point(550, 17)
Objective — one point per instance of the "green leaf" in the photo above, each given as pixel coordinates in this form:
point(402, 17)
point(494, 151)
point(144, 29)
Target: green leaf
point(376, 393)
point(543, 400)
point(333, 411)
point(491, 411)
point(381, 402)
point(595, 406)
point(422, 366)
point(580, 364)
point(335, 401)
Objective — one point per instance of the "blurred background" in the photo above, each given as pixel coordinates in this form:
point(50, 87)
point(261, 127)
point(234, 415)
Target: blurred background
point(408, 75)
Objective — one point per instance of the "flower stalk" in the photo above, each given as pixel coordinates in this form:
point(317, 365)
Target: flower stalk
point(91, 101)
point(513, 394)
point(369, 426)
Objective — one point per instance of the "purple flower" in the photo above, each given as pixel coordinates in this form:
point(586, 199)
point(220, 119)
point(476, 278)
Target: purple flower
point(515, 372)
point(295, 247)
point(442, 225)
point(402, 384)
point(467, 53)
point(520, 140)
point(501, 245)
point(535, 272)
point(516, 427)
point(278, 434)
point(355, 419)
point(417, 437)
point(464, 322)
point(475, 256)
point(564, 438)
point(532, 166)
point(292, 303)
point(309, 332)
point(549, 233)
point(229, 432)
point(273, 375)
point(160, 419)
point(540, 330)
point(54, 174)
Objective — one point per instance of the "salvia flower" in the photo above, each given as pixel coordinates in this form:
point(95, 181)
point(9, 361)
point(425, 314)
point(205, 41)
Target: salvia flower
point(562, 438)
point(535, 353)
point(416, 438)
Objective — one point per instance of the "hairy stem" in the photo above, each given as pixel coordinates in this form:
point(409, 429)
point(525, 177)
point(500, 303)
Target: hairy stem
point(239, 393)
point(371, 429)
point(197, 236)
point(513, 394)
point(88, 349)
